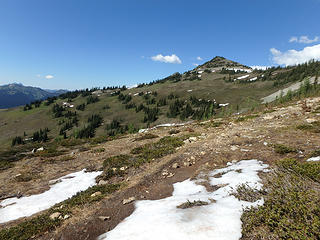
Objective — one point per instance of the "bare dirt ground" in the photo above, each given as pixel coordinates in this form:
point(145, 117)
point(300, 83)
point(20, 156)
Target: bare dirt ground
point(215, 146)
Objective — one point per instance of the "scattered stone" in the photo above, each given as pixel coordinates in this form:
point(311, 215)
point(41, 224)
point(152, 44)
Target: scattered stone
point(175, 165)
point(96, 194)
point(129, 200)
point(170, 175)
point(187, 164)
point(192, 139)
point(165, 173)
point(52, 182)
point(102, 182)
point(192, 158)
point(311, 120)
point(233, 148)
point(55, 215)
point(265, 143)
point(66, 216)
point(40, 149)
point(203, 153)
point(244, 150)
point(104, 218)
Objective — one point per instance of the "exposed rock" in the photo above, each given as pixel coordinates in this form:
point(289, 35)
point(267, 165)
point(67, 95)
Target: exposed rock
point(192, 139)
point(311, 120)
point(170, 175)
point(233, 148)
point(96, 194)
point(102, 182)
point(104, 218)
point(55, 215)
point(129, 200)
point(54, 181)
point(40, 149)
point(175, 165)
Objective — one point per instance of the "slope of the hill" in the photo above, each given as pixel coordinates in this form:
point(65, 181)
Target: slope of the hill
point(217, 88)
point(147, 165)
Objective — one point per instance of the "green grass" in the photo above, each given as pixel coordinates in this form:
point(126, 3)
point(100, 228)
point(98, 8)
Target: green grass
point(118, 165)
point(245, 118)
point(283, 149)
point(312, 127)
point(291, 209)
point(146, 136)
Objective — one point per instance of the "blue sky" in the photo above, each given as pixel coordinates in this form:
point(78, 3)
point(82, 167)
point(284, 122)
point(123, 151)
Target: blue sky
point(77, 44)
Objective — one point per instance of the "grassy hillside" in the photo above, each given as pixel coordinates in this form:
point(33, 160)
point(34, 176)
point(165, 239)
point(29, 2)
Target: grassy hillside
point(195, 94)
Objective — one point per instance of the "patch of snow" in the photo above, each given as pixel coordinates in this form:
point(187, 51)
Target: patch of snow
point(240, 70)
point(260, 67)
point(189, 90)
point(136, 94)
point(65, 187)
point(164, 125)
point(200, 72)
point(253, 79)
point(220, 219)
point(199, 76)
point(243, 77)
point(223, 104)
point(133, 86)
point(314, 159)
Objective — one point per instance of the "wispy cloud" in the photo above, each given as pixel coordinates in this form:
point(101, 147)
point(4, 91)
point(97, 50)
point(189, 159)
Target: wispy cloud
point(167, 59)
point(49, 76)
point(195, 64)
point(304, 39)
point(293, 57)
point(199, 59)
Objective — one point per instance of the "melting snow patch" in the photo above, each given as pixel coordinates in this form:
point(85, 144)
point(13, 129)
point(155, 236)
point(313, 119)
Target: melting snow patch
point(314, 159)
point(190, 90)
point(243, 77)
point(223, 104)
point(253, 79)
point(65, 187)
point(220, 219)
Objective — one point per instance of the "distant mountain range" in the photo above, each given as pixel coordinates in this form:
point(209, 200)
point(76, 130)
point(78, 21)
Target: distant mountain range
point(16, 94)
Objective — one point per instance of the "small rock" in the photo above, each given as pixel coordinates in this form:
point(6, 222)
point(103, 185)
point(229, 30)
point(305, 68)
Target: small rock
point(203, 153)
point(175, 165)
point(192, 139)
point(192, 158)
point(104, 218)
point(265, 143)
point(40, 149)
point(233, 148)
point(311, 120)
point(129, 200)
point(52, 182)
point(55, 215)
point(96, 194)
point(170, 175)
point(66, 216)
point(165, 173)
point(102, 182)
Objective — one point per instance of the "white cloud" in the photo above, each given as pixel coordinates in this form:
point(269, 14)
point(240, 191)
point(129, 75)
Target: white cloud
point(49, 76)
point(199, 58)
point(166, 59)
point(38, 75)
point(195, 64)
point(293, 57)
point(304, 39)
